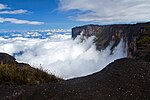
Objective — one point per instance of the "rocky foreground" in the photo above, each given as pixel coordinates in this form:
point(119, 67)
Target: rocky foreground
point(124, 79)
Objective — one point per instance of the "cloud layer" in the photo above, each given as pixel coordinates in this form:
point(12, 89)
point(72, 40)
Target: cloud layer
point(108, 11)
point(60, 55)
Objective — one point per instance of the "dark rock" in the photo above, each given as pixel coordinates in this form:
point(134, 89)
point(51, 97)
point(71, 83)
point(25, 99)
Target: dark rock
point(130, 33)
point(124, 79)
point(6, 58)
point(10, 60)
point(23, 65)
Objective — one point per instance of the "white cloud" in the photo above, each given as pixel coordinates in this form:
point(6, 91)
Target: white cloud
point(14, 20)
point(108, 11)
point(20, 11)
point(18, 21)
point(2, 6)
point(65, 57)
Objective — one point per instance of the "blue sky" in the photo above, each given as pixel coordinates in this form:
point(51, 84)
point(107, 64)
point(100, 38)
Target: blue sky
point(65, 14)
point(45, 11)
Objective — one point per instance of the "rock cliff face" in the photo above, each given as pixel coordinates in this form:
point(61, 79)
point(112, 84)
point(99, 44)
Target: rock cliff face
point(136, 36)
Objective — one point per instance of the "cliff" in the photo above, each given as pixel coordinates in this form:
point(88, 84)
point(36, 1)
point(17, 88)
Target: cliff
point(136, 36)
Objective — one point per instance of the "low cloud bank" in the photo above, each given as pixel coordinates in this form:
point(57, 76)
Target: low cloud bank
point(61, 55)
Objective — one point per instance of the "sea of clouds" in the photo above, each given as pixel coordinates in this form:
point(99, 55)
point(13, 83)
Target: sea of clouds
point(56, 52)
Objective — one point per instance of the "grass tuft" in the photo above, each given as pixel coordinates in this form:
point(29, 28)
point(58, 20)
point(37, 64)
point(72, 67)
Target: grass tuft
point(12, 74)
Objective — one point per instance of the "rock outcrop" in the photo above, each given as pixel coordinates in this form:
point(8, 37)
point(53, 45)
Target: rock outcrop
point(130, 33)
point(5, 59)
point(10, 60)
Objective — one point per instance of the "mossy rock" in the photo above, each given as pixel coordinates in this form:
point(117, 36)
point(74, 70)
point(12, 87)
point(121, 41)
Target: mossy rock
point(145, 40)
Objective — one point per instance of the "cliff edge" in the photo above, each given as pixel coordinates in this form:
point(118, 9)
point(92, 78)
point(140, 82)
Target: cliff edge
point(135, 36)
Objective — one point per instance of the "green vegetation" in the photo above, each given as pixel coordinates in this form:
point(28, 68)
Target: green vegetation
point(24, 75)
point(145, 40)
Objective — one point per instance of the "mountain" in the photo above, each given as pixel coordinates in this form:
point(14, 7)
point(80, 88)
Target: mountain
point(136, 36)
point(124, 79)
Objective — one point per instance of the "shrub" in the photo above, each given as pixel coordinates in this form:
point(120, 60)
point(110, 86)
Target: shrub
point(15, 75)
point(145, 40)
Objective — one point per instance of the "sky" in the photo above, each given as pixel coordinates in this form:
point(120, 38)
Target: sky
point(65, 14)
